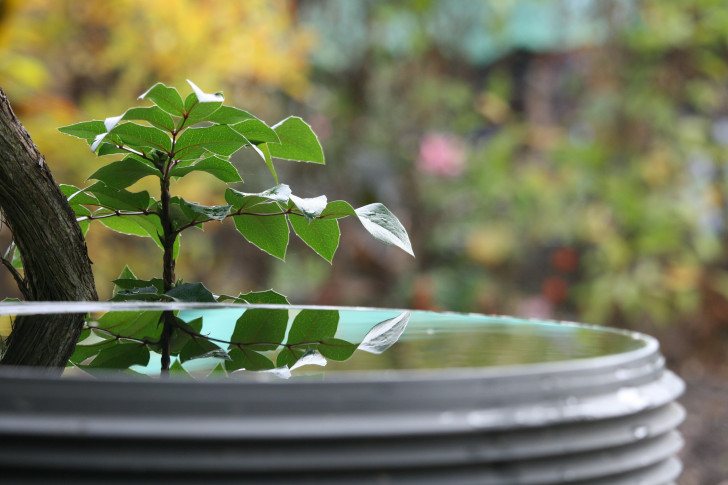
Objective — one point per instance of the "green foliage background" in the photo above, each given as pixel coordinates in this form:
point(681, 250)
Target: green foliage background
point(561, 159)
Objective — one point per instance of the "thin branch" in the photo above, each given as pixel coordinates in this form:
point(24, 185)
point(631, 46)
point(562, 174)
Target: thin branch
point(19, 279)
point(116, 213)
point(240, 345)
point(116, 337)
point(240, 212)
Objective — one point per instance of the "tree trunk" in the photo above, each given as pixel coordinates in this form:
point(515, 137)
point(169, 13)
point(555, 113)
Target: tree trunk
point(51, 245)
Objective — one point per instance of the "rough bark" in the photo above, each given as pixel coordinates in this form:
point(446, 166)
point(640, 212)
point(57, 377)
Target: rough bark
point(52, 248)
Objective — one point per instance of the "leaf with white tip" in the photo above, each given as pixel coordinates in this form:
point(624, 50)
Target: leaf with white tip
point(136, 136)
point(384, 226)
point(310, 208)
point(152, 114)
point(310, 357)
point(200, 106)
point(204, 97)
point(196, 211)
point(242, 200)
point(166, 98)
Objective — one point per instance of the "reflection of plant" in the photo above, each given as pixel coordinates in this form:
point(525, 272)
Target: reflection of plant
point(261, 339)
point(199, 134)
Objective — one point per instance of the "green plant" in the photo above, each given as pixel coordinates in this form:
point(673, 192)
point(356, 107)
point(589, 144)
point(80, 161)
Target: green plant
point(198, 134)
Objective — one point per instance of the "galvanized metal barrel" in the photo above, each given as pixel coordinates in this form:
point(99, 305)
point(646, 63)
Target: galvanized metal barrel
point(603, 415)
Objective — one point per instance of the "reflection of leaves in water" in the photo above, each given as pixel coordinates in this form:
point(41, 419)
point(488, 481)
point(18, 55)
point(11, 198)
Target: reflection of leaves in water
point(384, 334)
point(123, 339)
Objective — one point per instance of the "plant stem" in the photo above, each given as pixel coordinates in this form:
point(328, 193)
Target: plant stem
point(168, 277)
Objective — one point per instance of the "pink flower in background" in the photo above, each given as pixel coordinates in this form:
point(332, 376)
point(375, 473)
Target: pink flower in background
point(441, 154)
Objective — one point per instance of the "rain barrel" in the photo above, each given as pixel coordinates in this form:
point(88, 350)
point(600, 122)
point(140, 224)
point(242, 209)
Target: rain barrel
point(456, 399)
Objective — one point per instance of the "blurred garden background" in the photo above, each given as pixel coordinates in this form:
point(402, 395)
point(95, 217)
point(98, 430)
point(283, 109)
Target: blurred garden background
point(557, 159)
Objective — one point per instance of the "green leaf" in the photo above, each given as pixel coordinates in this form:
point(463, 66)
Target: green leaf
point(227, 115)
point(201, 348)
point(384, 226)
point(109, 149)
point(218, 139)
point(182, 334)
point(337, 210)
point(119, 199)
point(215, 166)
point(298, 142)
point(264, 152)
point(124, 173)
point(247, 359)
point(313, 325)
point(194, 292)
point(199, 105)
point(166, 98)
point(146, 293)
point(180, 217)
point(268, 232)
point(218, 371)
point(81, 211)
point(127, 281)
point(126, 284)
point(289, 356)
point(201, 212)
point(242, 200)
point(256, 297)
point(179, 371)
point(121, 355)
point(142, 226)
point(74, 195)
point(138, 136)
point(84, 225)
point(17, 260)
point(83, 352)
point(267, 297)
point(256, 132)
point(127, 274)
point(86, 130)
point(322, 235)
point(152, 114)
point(336, 349)
point(89, 344)
point(261, 326)
point(139, 325)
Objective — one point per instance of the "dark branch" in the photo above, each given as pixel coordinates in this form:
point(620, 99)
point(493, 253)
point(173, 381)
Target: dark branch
point(19, 280)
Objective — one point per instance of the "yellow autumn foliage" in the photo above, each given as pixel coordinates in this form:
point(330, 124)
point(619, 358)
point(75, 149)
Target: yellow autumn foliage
point(123, 44)
point(65, 61)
